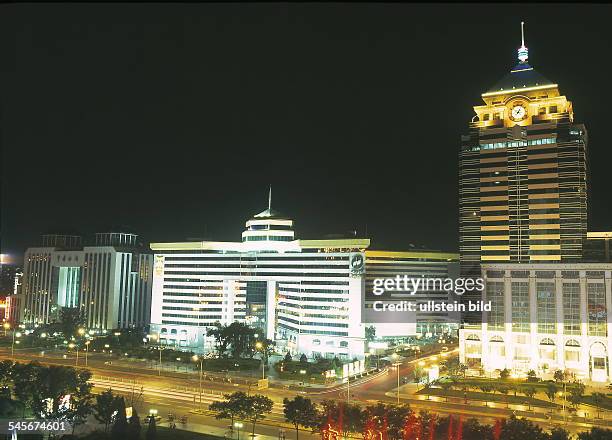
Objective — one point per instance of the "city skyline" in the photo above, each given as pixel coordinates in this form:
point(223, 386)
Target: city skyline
point(151, 167)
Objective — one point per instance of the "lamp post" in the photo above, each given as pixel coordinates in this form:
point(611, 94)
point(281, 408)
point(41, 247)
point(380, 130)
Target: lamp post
point(71, 345)
point(238, 425)
point(259, 346)
point(86, 350)
point(6, 326)
point(16, 334)
point(397, 365)
point(201, 360)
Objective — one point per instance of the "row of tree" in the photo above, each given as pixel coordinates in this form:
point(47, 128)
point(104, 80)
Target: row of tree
point(238, 340)
point(390, 422)
point(63, 393)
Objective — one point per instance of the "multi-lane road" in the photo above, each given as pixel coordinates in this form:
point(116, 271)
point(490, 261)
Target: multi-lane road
point(178, 393)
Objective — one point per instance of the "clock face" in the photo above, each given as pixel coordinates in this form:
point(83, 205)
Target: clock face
point(518, 112)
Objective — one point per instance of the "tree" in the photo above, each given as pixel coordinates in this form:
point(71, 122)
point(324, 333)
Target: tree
point(151, 430)
point(6, 367)
point(596, 434)
point(558, 376)
point(134, 428)
point(504, 374)
point(531, 376)
point(446, 386)
point(71, 318)
point(234, 406)
point(575, 394)
point(256, 408)
point(370, 333)
point(303, 359)
point(120, 427)
point(25, 388)
point(516, 429)
point(598, 400)
point(288, 357)
point(503, 389)
point(80, 400)
point(529, 392)
point(390, 417)
point(104, 408)
point(551, 391)
point(486, 388)
point(220, 334)
point(558, 433)
point(300, 412)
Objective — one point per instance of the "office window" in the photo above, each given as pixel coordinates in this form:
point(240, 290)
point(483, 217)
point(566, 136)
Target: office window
point(596, 309)
point(485, 117)
point(495, 294)
point(520, 307)
point(571, 308)
point(545, 305)
point(542, 111)
point(553, 109)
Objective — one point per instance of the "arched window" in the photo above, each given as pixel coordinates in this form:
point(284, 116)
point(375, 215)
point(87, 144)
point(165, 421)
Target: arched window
point(547, 341)
point(164, 330)
point(473, 337)
point(343, 344)
point(572, 343)
point(496, 339)
point(173, 331)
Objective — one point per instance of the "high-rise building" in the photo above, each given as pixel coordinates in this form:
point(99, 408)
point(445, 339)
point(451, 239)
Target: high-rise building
point(109, 281)
point(522, 174)
point(306, 295)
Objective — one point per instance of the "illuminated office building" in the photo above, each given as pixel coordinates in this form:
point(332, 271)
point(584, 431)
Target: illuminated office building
point(544, 317)
point(522, 175)
point(109, 281)
point(306, 295)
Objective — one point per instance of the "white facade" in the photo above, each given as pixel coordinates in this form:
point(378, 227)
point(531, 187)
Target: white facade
point(544, 317)
point(111, 284)
point(307, 295)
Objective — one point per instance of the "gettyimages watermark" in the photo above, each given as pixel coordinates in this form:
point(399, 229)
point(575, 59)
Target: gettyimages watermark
point(400, 298)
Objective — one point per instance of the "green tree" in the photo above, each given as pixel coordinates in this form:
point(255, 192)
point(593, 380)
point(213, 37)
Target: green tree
point(25, 384)
point(303, 359)
point(486, 388)
point(134, 428)
point(120, 425)
point(300, 412)
point(80, 400)
point(596, 434)
point(370, 333)
point(598, 400)
point(71, 318)
point(104, 408)
point(233, 407)
point(551, 391)
point(220, 334)
point(256, 408)
point(503, 389)
point(576, 391)
point(446, 386)
point(391, 417)
point(6, 367)
point(521, 429)
point(558, 376)
point(558, 433)
point(151, 430)
point(531, 376)
point(529, 392)
point(288, 357)
point(504, 374)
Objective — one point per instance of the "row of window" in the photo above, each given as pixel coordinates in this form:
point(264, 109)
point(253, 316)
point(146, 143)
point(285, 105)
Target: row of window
point(513, 144)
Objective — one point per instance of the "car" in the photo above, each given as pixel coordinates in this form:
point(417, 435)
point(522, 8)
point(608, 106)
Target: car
point(444, 348)
point(154, 416)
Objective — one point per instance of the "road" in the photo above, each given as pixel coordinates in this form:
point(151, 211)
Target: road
point(178, 393)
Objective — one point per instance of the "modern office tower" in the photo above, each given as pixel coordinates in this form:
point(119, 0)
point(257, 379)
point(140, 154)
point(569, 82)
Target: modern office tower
point(306, 295)
point(598, 247)
point(544, 317)
point(110, 281)
point(522, 175)
point(418, 265)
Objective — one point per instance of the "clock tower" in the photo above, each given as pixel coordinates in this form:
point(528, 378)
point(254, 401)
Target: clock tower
point(522, 174)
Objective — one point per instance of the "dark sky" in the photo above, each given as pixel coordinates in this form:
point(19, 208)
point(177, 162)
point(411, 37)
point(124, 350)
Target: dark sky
point(173, 119)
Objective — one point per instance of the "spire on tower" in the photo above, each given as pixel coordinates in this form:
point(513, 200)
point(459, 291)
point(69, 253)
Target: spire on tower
point(523, 52)
point(270, 198)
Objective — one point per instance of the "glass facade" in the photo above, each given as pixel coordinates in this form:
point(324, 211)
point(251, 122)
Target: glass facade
point(546, 310)
point(520, 306)
point(571, 308)
point(495, 294)
point(596, 309)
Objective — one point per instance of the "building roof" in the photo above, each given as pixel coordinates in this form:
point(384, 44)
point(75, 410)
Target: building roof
point(521, 76)
point(270, 213)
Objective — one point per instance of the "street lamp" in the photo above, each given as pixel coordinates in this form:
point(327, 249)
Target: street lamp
point(259, 346)
point(81, 331)
point(86, 350)
point(238, 425)
point(397, 364)
point(201, 360)
point(16, 334)
point(71, 345)
point(6, 326)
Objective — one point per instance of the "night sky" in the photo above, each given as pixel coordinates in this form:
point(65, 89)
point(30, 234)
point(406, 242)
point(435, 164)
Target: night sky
point(172, 120)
